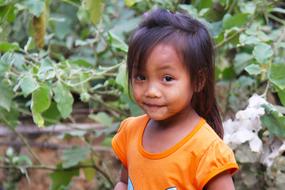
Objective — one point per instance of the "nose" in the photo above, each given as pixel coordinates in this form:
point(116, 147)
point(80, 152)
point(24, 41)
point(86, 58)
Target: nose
point(152, 91)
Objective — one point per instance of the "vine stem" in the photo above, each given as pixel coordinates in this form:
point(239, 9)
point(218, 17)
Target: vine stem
point(229, 38)
point(266, 90)
point(99, 100)
point(25, 142)
point(71, 3)
point(232, 6)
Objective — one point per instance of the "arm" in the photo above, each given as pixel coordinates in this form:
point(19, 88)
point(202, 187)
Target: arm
point(123, 183)
point(222, 181)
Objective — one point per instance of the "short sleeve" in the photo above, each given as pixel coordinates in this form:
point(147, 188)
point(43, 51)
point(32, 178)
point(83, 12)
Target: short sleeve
point(119, 143)
point(217, 159)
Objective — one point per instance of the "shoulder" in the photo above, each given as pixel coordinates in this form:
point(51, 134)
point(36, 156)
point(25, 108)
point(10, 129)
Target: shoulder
point(133, 123)
point(207, 139)
point(214, 156)
point(207, 133)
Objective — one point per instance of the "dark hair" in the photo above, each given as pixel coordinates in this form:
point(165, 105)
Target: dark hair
point(193, 43)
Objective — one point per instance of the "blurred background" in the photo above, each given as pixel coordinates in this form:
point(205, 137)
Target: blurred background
point(63, 88)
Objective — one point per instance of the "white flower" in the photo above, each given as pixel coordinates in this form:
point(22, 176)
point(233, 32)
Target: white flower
point(246, 125)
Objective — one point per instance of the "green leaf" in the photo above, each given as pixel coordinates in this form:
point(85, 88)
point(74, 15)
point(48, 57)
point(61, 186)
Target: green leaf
point(130, 3)
point(125, 25)
point(117, 42)
point(61, 178)
point(8, 12)
point(41, 100)
point(121, 77)
point(62, 26)
point(51, 115)
point(253, 69)
point(35, 7)
point(4, 67)
point(19, 61)
point(81, 62)
point(203, 4)
point(277, 75)
point(274, 121)
point(102, 118)
point(6, 46)
point(262, 52)
point(64, 99)
point(71, 157)
point(38, 119)
point(22, 160)
point(9, 118)
point(46, 70)
point(263, 36)
point(237, 20)
point(6, 62)
point(89, 173)
point(28, 85)
point(94, 8)
point(248, 7)
point(134, 108)
point(245, 81)
point(228, 73)
point(281, 95)
point(248, 39)
point(241, 61)
point(190, 9)
point(6, 95)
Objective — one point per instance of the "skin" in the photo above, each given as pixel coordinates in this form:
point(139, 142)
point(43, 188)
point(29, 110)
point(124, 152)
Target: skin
point(163, 90)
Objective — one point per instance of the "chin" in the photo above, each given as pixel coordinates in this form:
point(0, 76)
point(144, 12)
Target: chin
point(156, 117)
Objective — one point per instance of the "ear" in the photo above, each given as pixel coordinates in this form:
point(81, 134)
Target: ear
point(201, 80)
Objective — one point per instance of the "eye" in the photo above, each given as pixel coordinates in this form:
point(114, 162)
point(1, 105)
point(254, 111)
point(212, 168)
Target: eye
point(140, 77)
point(168, 78)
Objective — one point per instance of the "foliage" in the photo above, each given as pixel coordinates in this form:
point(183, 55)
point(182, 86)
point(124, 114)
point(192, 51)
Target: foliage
point(54, 54)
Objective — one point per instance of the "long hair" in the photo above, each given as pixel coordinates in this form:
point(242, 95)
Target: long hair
point(192, 41)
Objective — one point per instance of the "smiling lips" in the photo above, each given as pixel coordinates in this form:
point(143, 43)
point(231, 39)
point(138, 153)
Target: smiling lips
point(150, 105)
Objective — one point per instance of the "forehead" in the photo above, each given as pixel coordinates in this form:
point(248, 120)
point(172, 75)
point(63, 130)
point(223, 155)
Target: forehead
point(164, 56)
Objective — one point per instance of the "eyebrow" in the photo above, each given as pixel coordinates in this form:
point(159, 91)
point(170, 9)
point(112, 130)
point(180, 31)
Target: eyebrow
point(165, 67)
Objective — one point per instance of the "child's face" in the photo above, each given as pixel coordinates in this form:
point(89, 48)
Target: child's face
point(163, 87)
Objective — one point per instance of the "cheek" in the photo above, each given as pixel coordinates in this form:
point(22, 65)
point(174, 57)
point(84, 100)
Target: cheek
point(180, 96)
point(137, 93)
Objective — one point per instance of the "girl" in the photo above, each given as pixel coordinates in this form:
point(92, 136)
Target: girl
point(178, 143)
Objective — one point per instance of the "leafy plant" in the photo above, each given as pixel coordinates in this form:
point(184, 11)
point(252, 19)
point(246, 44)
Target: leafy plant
point(56, 54)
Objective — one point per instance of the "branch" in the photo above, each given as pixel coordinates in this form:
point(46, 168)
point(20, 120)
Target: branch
point(52, 146)
point(59, 128)
point(26, 144)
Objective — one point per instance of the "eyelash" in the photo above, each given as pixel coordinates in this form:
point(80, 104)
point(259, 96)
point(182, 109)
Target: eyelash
point(166, 78)
point(140, 77)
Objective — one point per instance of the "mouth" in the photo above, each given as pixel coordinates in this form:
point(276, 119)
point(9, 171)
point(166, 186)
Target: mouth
point(153, 105)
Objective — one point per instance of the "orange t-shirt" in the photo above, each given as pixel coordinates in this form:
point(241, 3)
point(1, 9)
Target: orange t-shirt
point(188, 165)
